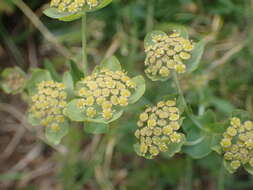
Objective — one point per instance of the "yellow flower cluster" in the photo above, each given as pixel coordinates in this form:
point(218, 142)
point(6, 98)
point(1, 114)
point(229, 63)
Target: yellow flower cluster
point(105, 91)
point(48, 104)
point(237, 143)
point(167, 53)
point(15, 81)
point(158, 128)
point(72, 6)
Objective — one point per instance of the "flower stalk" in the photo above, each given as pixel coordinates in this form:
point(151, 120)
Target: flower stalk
point(182, 99)
point(84, 44)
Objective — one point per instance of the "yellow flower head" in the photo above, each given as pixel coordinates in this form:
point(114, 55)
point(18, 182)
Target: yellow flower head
point(237, 143)
point(73, 6)
point(48, 104)
point(105, 91)
point(168, 53)
point(157, 128)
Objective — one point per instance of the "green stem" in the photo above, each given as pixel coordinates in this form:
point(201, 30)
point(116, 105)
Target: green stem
point(189, 173)
point(84, 45)
point(150, 16)
point(181, 96)
point(221, 179)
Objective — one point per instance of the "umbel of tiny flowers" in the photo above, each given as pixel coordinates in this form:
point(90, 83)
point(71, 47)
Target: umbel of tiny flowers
point(13, 80)
point(158, 128)
point(48, 104)
point(237, 143)
point(105, 92)
point(73, 6)
point(167, 53)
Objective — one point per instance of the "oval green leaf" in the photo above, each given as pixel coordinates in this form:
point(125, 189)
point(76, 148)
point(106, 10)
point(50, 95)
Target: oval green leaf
point(74, 113)
point(196, 54)
point(111, 63)
point(38, 75)
point(201, 149)
point(140, 89)
point(69, 84)
point(50, 67)
point(55, 137)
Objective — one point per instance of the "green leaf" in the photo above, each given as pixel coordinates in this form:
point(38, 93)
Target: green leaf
point(140, 89)
point(69, 84)
point(55, 137)
point(73, 112)
point(66, 16)
point(248, 168)
point(75, 72)
point(49, 66)
point(209, 124)
point(63, 16)
point(222, 105)
point(228, 167)
point(96, 128)
point(202, 149)
point(33, 120)
point(38, 75)
point(174, 148)
point(193, 63)
point(100, 119)
point(148, 39)
point(111, 63)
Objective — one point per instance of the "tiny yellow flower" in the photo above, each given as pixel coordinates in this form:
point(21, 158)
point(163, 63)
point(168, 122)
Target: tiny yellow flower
point(144, 117)
point(226, 142)
point(89, 101)
point(107, 114)
point(91, 112)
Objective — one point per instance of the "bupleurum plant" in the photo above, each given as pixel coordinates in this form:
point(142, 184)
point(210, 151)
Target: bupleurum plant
point(104, 92)
point(237, 143)
point(165, 54)
point(103, 95)
point(158, 128)
point(48, 104)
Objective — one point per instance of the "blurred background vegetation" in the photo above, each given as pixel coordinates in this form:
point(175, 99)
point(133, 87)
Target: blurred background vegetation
point(107, 162)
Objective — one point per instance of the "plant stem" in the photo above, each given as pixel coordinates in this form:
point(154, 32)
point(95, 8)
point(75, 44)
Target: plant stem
point(181, 96)
point(189, 173)
point(42, 28)
point(221, 179)
point(84, 44)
